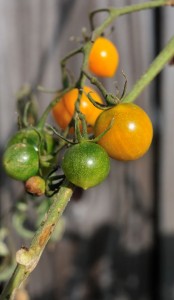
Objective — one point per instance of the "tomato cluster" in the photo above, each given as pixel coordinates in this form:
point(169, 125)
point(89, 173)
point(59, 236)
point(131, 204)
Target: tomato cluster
point(86, 163)
point(103, 61)
point(129, 138)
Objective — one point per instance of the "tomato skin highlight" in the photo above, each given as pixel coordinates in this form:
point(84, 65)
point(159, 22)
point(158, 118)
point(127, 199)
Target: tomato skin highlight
point(21, 161)
point(131, 134)
point(86, 164)
point(63, 111)
point(103, 58)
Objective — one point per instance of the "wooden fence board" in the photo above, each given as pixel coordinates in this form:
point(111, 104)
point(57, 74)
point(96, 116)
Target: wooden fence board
point(34, 36)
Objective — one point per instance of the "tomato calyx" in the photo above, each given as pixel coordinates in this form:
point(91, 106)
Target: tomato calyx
point(109, 97)
point(81, 134)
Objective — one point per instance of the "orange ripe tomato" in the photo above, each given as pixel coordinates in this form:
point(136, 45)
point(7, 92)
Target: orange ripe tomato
point(103, 58)
point(131, 134)
point(63, 111)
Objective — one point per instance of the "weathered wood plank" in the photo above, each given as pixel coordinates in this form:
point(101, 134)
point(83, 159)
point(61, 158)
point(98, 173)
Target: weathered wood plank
point(34, 36)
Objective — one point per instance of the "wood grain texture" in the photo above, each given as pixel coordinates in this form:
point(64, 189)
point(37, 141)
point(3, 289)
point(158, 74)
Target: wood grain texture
point(34, 36)
point(167, 146)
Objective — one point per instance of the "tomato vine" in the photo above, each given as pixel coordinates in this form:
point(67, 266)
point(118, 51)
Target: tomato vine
point(39, 138)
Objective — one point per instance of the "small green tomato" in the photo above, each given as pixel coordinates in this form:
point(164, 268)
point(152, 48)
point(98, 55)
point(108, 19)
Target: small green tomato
point(25, 136)
point(39, 139)
point(21, 161)
point(86, 164)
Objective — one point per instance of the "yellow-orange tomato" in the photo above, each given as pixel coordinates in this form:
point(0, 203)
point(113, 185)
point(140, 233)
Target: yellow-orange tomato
point(131, 134)
point(103, 58)
point(63, 111)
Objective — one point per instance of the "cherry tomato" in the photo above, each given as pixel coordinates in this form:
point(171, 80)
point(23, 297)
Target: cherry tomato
point(63, 111)
point(86, 164)
point(21, 161)
point(35, 185)
point(103, 58)
point(34, 137)
point(131, 134)
point(25, 136)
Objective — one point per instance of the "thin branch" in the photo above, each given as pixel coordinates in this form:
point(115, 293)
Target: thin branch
point(28, 258)
point(93, 13)
point(63, 62)
point(45, 114)
point(156, 66)
point(116, 12)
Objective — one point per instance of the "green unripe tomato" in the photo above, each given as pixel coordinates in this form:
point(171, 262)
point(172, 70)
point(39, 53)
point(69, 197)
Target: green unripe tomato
point(86, 164)
point(34, 137)
point(21, 161)
point(25, 136)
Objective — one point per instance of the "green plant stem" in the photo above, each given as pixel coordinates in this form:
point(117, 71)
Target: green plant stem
point(109, 98)
point(65, 80)
point(116, 12)
point(42, 89)
point(93, 13)
point(29, 258)
point(45, 114)
point(156, 66)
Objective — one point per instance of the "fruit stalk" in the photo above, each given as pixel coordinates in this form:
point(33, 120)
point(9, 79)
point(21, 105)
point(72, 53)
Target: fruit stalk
point(114, 13)
point(28, 258)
